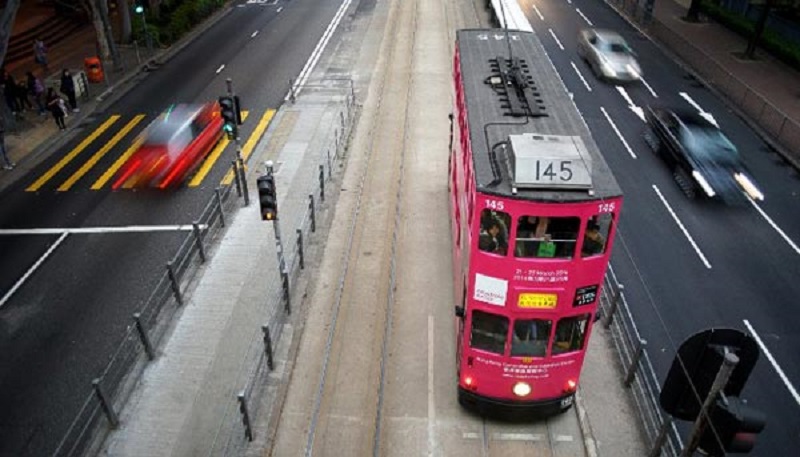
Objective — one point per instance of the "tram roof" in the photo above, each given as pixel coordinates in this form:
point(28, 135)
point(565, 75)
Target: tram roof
point(487, 115)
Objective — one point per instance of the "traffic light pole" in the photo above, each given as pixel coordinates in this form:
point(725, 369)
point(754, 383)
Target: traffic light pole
point(277, 227)
point(239, 169)
point(700, 424)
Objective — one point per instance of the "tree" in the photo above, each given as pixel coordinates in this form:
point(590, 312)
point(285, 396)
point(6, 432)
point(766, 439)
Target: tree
point(124, 9)
point(693, 15)
point(6, 22)
point(102, 26)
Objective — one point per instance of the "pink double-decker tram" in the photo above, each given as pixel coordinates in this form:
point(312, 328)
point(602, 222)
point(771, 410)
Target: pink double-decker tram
point(534, 209)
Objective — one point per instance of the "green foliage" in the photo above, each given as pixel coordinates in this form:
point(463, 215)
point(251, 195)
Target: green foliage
point(783, 49)
point(175, 19)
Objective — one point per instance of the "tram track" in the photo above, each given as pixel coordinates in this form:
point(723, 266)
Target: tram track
point(354, 359)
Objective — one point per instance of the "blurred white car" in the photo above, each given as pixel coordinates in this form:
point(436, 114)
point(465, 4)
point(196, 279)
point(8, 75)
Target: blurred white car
point(609, 55)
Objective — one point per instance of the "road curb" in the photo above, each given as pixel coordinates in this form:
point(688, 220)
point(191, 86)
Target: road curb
point(586, 427)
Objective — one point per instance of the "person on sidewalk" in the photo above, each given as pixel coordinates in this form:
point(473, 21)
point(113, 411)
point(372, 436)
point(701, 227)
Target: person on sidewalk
point(68, 89)
point(10, 93)
point(36, 89)
point(40, 55)
point(57, 107)
point(8, 164)
point(22, 96)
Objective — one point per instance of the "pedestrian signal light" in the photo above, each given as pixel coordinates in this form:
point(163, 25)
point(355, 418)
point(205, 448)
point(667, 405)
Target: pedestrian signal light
point(267, 197)
point(231, 115)
point(733, 427)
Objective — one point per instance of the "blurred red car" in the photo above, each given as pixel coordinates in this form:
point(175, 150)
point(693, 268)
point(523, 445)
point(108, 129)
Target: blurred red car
point(172, 147)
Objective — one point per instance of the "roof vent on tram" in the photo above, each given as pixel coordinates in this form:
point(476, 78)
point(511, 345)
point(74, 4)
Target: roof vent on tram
point(541, 161)
point(512, 81)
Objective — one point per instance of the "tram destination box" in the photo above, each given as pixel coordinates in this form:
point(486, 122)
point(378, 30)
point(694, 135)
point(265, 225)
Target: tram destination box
point(549, 161)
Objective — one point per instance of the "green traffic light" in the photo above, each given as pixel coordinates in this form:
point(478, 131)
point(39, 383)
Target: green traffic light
point(139, 9)
point(228, 128)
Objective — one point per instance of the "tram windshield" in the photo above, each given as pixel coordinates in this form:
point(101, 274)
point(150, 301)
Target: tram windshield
point(530, 337)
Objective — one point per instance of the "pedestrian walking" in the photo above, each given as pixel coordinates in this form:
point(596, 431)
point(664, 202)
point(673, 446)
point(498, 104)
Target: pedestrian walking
point(10, 93)
point(68, 89)
point(22, 96)
point(36, 89)
point(40, 55)
point(57, 108)
point(8, 164)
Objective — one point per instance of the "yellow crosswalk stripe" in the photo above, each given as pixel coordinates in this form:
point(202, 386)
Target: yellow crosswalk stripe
point(99, 154)
point(72, 154)
point(113, 169)
point(251, 142)
point(212, 158)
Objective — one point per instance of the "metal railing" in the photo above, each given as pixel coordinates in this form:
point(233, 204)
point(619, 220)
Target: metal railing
point(111, 389)
point(639, 376)
point(236, 428)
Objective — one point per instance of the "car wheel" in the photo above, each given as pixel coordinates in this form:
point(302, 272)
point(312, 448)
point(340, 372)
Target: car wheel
point(685, 183)
point(652, 140)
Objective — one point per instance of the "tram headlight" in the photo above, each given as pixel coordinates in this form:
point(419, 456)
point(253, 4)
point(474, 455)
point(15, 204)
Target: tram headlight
point(703, 183)
point(747, 185)
point(522, 389)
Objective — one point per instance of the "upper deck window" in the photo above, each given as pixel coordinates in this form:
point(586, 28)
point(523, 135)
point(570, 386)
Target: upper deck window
point(596, 234)
point(570, 334)
point(494, 232)
point(489, 332)
point(546, 237)
point(530, 337)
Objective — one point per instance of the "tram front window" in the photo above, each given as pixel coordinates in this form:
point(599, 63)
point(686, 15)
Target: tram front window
point(489, 332)
point(530, 338)
point(546, 237)
point(570, 334)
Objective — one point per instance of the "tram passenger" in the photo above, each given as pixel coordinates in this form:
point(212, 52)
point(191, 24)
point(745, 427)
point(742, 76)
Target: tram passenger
point(593, 241)
point(491, 239)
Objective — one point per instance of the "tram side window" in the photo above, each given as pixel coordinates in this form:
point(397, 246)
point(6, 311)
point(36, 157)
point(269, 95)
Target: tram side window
point(543, 237)
point(494, 232)
point(596, 234)
point(530, 337)
point(570, 334)
point(489, 332)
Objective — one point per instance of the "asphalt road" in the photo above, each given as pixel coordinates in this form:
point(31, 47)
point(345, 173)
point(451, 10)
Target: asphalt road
point(691, 265)
point(60, 328)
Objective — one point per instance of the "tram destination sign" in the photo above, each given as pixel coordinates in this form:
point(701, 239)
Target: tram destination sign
point(585, 295)
point(549, 161)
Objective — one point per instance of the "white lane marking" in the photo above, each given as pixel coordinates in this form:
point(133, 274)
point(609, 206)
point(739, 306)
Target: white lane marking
point(649, 88)
point(121, 229)
point(538, 13)
point(564, 438)
point(635, 108)
point(581, 76)
point(241, 6)
point(470, 436)
point(700, 110)
point(555, 38)
point(775, 226)
point(220, 68)
point(621, 138)
point(584, 17)
point(280, 9)
point(317, 53)
point(30, 271)
point(253, 35)
point(775, 365)
point(683, 229)
point(431, 399)
point(518, 436)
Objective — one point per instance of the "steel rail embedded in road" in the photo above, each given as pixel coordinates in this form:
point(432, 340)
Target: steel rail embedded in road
point(388, 105)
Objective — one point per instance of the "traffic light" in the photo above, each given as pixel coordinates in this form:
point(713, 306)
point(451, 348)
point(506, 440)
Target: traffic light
point(267, 197)
point(733, 428)
point(139, 6)
point(231, 115)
